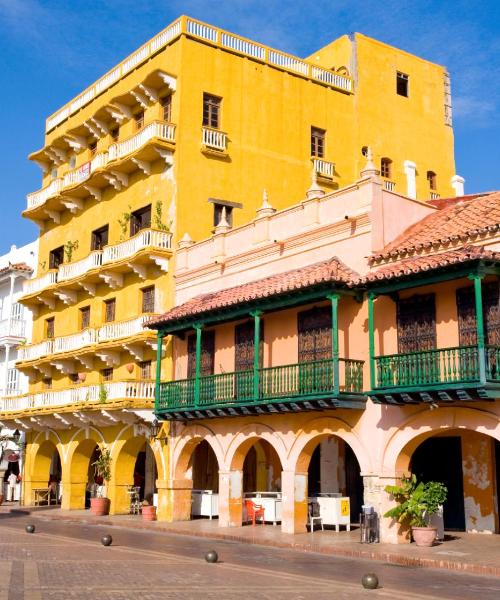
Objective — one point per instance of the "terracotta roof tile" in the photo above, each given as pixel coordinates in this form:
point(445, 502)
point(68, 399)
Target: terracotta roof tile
point(16, 267)
point(329, 271)
point(456, 220)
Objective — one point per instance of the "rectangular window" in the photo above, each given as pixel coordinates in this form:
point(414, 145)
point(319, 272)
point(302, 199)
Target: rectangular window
point(211, 111)
point(84, 317)
point(93, 148)
point(148, 299)
point(432, 180)
point(56, 257)
point(402, 84)
point(47, 383)
point(315, 334)
point(140, 219)
point(244, 337)
point(107, 374)
point(114, 133)
point(49, 328)
point(318, 142)
point(12, 381)
point(110, 310)
point(166, 104)
point(207, 353)
point(218, 210)
point(145, 369)
point(386, 167)
point(73, 377)
point(99, 238)
point(139, 120)
point(466, 308)
point(416, 320)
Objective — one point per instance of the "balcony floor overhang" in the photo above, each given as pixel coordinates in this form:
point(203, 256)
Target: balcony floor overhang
point(437, 394)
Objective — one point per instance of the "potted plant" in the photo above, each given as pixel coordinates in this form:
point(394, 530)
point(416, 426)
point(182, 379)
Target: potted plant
point(99, 506)
point(417, 502)
point(148, 511)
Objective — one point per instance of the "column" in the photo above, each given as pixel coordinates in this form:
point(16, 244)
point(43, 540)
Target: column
point(159, 349)
point(230, 498)
point(478, 296)
point(294, 498)
point(334, 299)
point(6, 368)
point(410, 169)
point(256, 351)
point(371, 339)
point(197, 371)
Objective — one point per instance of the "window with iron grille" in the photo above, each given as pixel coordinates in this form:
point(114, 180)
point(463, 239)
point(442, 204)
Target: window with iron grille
point(139, 119)
point(99, 238)
point(166, 104)
point(148, 299)
point(432, 180)
point(56, 257)
point(466, 308)
point(207, 353)
point(315, 334)
point(318, 142)
point(244, 337)
point(211, 111)
point(109, 310)
point(145, 369)
point(402, 84)
point(49, 328)
point(140, 219)
point(107, 374)
point(416, 320)
point(386, 167)
point(84, 317)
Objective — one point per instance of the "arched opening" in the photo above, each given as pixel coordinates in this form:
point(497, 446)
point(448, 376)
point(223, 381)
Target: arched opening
point(145, 474)
point(46, 475)
point(204, 470)
point(84, 483)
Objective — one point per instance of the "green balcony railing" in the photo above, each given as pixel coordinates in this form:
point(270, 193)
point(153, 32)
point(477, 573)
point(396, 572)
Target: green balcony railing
point(457, 365)
point(288, 382)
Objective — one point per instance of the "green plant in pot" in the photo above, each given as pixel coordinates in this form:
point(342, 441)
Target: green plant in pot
point(417, 502)
point(99, 505)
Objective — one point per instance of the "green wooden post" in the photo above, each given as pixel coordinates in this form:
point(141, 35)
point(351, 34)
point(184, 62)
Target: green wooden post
point(371, 339)
point(197, 370)
point(334, 299)
point(256, 353)
point(159, 348)
point(478, 295)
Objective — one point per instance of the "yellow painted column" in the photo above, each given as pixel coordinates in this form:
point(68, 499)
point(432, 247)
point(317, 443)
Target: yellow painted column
point(294, 506)
point(230, 498)
point(176, 499)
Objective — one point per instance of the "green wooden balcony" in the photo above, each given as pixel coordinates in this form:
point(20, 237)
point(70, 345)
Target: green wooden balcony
point(444, 374)
point(289, 388)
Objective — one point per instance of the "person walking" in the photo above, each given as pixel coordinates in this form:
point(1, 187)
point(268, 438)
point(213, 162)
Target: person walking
point(11, 490)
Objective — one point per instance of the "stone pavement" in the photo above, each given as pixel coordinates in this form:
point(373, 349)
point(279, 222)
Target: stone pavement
point(472, 553)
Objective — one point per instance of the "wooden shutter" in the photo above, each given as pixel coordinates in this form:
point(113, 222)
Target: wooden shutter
point(315, 334)
point(244, 346)
point(466, 308)
point(416, 318)
point(207, 354)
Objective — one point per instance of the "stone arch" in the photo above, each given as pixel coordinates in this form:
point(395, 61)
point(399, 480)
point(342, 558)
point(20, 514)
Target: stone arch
point(246, 438)
point(80, 449)
point(42, 454)
point(186, 444)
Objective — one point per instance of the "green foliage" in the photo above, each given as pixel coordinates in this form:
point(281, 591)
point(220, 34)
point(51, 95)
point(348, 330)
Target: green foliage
point(416, 501)
point(102, 465)
point(103, 393)
point(159, 224)
point(69, 247)
point(124, 221)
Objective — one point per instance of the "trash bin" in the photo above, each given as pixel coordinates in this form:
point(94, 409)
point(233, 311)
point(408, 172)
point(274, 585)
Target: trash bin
point(368, 525)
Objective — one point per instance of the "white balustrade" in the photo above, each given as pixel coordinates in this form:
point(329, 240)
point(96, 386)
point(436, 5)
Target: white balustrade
point(16, 403)
point(331, 78)
point(32, 286)
point(120, 329)
point(324, 167)
point(201, 30)
point(38, 198)
point(35, 351)
point(147, 238)
point(435, 196)
point(243, 46)
point(12, 328)
point(75, 341)
point(289, 62)
point(213, 138)
point(79, 267)
point(390, 186)
point(160, 130)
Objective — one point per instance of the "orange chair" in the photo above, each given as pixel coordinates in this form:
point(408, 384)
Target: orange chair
point(254, 511)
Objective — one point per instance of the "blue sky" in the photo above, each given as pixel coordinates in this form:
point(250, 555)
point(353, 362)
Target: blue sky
point(50, 50)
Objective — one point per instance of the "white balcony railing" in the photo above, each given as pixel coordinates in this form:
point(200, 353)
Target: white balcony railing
point(35, 351)
point(12, 328)
point(32, 286)
point(120, 329)
point(213, 138)
point(75, 269)
point(435, 196)
point(41, 196)
point(162, 131)
point(324, 168)
point(140, 390)
point(67, 343)
point(147, 238)
point(390, 186)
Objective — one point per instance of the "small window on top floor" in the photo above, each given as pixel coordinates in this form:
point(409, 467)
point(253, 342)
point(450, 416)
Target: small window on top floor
point(139, 119)
point(386, 167)
point(140, 219)
point(49, 328)
point(166, 104)
point(107, 374)
point(432, 179)
point(109, 310)
point(402, 84)
point(56, 257)
point(99, 238)
point(211, 111)
point(318, 142)
point(145, 369)
point(84, 317)
point(218, 210)
point(148, 299)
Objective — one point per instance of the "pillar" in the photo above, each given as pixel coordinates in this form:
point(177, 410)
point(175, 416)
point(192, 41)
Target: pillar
point(149, 483)
point(230, 498)
point(294, 502)
point(410, 169)
point(390, 531)
point(174, 499)
point(332, 466)
point(457, 183)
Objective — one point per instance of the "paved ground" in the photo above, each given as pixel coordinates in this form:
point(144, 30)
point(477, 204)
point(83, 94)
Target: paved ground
point(65, 561)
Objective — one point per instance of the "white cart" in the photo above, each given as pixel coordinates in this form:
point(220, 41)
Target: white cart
point(334, 509)
point(270, 501)
point(205, 503)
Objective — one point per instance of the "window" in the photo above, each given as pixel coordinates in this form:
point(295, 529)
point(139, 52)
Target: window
point(244, 337)
point(84, 317)
point(211, 111)
point(416, 320)
point(386, 167)
point(107, 374)
point(56, 257)
point(148, 299)
point(140, 219)
point(73, 377)
point(432, 179)
point(218, 209)
point(466, 307)
point(145, 369)
point(99, 238)
point(318, 142)
point(402, 84)
point(49, 328)
point(139, 119)
point(17, 311)
point(364, 151)
point(12, 381)
point(315, 334)
point(207, 353)
point(72, 161)
point(166, 104)
point(93, 148)
point(47, 383)
point(109, 310)
point(115, 133)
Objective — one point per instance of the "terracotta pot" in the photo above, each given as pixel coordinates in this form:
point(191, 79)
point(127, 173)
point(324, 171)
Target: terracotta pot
point(130, 367)
point(424, 536)
point(82, 377)
point(149, 513)
point(99, 506)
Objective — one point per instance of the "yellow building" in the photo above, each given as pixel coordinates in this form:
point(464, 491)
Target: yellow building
point(182, 136)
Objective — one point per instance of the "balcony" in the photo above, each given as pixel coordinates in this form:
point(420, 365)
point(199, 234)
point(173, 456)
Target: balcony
point(305, 386)
point(389, 185)
point(213, 140)
point(324, 168)
point(91, 394)
point(445, 374)
point(12, 329)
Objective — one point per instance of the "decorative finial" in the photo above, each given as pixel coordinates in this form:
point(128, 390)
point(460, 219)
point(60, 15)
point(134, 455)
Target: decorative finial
point(222, 226)
point(266, 209)
point(314, 191)
point(369, 170)
point(186, 241)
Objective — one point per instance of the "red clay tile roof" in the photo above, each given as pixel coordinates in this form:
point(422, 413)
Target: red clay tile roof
point(457, 220)
point(16, 267)
point(329, 271)
point(419, 264)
